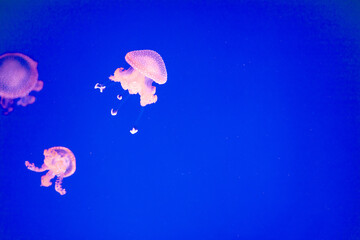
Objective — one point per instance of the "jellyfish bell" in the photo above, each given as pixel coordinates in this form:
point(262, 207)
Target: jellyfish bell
point(61, 160)
point(18, 77)
point(146, 67)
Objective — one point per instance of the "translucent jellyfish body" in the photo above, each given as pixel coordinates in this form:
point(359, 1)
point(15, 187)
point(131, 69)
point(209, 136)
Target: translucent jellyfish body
point(18, 77)
point(60, 162)
point(147, 66)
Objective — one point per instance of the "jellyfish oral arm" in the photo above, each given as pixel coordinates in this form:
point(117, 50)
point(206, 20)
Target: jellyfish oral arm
point(136, 83)
point(6, 104)
point(125, 78)
point(147, 95)
point(38, 86)
point(58, 183)
point(117, 75)
point(24, 101)
point(45, 180)
point(32, 167)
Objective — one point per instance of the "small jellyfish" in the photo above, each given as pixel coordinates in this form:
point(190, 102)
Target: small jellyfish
point(114, 112)
point(133, 130)
point(146, 66)
point(60, 162)
point(18, 77)
point(100, 87)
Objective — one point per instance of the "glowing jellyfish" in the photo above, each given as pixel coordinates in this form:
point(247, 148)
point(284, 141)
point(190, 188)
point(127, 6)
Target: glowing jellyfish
point(133, 130)
point(100, 87)
point(60, 162)
point(114, 112)
point(146, 66)
point(18, 77)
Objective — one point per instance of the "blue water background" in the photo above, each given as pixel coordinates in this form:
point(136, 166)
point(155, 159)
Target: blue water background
point(254, 136)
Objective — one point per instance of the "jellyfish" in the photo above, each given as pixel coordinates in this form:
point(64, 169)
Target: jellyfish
point(146, 67)
point(114, 112)
point(100, 87)
point(133, 130)
point(60, 162)
point(18, 77)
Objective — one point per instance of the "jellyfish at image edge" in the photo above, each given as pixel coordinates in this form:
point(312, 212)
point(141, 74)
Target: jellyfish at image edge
point(60, 162)
point(146, 67)
point(18, 77)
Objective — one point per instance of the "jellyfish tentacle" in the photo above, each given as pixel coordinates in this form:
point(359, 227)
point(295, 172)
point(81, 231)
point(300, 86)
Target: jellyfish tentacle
point(139, 117)
point(45, 180)
point(58, 183)
point(32, 167)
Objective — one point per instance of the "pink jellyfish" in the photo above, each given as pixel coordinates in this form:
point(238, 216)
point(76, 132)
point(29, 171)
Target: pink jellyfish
point(18, 77)
point(146, 66)
point(60, 162)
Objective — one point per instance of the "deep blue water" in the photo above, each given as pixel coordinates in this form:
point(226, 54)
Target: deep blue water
point(254, 136)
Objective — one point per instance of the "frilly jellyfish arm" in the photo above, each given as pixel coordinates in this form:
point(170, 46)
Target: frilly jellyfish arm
point(38, 86)
point(46, 179)
point(116, 77)
point(123, 77)
point(58, 187)
point(32, 167)
point(6, 104)
point(24, 101)
point(147, 94)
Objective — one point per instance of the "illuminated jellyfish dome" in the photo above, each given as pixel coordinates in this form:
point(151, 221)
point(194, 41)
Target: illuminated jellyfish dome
point(18, 77)
point(146, 67)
